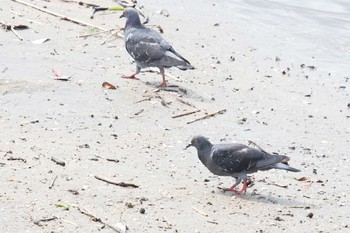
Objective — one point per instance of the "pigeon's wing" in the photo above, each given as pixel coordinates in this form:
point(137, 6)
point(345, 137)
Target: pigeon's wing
point(235, 158)
point(148, 47)
point(145, 45)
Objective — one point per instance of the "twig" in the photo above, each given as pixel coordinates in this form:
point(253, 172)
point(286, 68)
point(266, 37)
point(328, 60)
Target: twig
point(63, 17)
point(73, 223)
point(256, 145)
point(213, 222)
point(201, 212)
point(186, 114)
point(37, 222)
point(207, 116)
point(96, 219)
point(167, 222)
point(148, 98)
point(96, 33)
point(113, 160)
point(109, 36)
point(186, 103)
point(122, 184)
point(53, 182)
point(81, 3)
point(18, 158)
point(58, 161)
point(10, 27)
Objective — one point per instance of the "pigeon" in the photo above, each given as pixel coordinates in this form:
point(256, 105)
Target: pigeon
point(148, 48)
point(237, 160)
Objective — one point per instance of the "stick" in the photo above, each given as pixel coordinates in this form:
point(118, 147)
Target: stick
point(96, 33)
point(186, 103)
point(37, 222)
point(213, 222)
point(113, 160)
point(167, 222)
point(207, 116)
point(19, 158)
point(65, 220)
point(53, 182)
point(256, 145)
point(81, 3)
point(186, 114)
point(122, 184)
point(96, 219)
point(63, 17)
point(201, 212)
point(109, 36)
point(58, 161)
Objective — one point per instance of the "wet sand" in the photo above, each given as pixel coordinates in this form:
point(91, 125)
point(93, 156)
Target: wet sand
point(271, 96)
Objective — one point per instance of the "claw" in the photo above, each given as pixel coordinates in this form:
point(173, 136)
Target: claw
point(130, 77)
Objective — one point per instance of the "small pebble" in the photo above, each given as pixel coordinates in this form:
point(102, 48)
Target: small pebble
point(142, 210)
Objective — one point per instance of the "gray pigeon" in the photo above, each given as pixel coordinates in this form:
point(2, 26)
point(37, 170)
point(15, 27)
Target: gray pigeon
point(148, 48)
point(237, 160)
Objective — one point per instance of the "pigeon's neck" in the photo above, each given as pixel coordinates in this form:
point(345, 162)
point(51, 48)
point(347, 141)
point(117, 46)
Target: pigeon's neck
point(204, 153)
point(133, 23)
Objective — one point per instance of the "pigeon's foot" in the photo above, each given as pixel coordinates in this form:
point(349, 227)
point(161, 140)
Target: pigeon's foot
point(244, 188)
point(163, 84)
point(250, 181)
point(231, 189)
point(130, 77)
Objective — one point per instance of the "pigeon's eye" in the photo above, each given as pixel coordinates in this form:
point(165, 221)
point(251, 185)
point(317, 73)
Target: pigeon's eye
point(195, 141)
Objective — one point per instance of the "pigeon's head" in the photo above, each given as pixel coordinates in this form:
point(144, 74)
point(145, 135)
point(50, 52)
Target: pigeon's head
point(132, 17)
point(200, 142)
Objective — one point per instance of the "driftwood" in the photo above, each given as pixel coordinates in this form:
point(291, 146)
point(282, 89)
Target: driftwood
point(122, 184)
point(63, 17)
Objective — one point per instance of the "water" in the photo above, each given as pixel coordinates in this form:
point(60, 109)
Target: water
point(314, 31)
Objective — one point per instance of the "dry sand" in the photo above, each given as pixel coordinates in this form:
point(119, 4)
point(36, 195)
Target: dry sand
point(294, 111)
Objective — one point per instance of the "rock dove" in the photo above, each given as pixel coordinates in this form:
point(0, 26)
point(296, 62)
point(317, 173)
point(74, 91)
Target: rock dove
point(237, 160)
point(148, 48)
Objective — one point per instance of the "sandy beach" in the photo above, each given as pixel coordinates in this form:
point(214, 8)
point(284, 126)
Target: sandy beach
point(267, 73)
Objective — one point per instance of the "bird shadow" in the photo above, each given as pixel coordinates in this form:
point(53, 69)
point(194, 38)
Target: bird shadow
point(268, 199)
point(180, 90)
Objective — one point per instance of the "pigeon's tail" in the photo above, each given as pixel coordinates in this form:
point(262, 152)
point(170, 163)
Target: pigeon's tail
point(284, 166)
point(186, 67)
point(175, 59)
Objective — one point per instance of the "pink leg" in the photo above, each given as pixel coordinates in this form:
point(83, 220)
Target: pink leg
point(162, 72)
point(132, 76)
point(244, 188)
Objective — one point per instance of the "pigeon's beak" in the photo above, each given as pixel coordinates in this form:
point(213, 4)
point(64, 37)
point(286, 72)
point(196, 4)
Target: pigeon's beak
point(189, 145)
point(123, 15)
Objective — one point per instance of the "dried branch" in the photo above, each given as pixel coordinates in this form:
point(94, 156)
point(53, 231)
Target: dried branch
point(58, 161)
point(96, 219)
point(63, 17)
point(53, 182)
point(256, 145)
point(81, 3)
point(207, 116)
point(201, 212)
point(38, 222)
point(186, 114)
point(122, 184)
